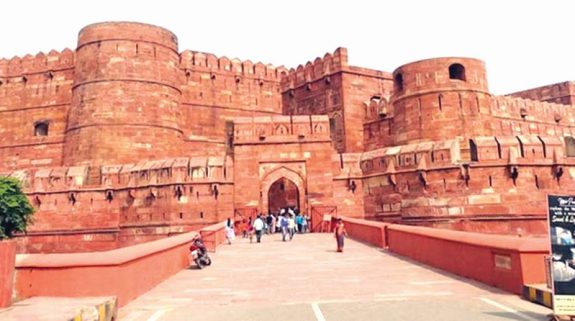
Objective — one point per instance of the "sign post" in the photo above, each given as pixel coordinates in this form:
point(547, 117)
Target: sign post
point(562, 237)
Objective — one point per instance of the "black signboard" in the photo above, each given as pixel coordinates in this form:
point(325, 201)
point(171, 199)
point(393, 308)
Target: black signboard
point(562, 236)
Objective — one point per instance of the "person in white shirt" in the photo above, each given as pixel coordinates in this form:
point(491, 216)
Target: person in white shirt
point(258, 228)
point(230, 233)
point(291, 226)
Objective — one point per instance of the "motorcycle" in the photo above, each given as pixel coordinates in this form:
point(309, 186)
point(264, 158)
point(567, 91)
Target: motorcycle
point(199, 253)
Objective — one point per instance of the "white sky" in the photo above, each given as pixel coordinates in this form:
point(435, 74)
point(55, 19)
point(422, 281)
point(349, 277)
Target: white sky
point(525, 44)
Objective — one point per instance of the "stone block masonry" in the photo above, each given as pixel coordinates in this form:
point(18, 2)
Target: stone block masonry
point(126, 139)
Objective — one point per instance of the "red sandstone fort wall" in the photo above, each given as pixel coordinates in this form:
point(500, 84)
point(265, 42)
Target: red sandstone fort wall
point(127, 204)
point(34, 89)
point(430, 104)
point(329, 86)
point(216, 90)
point(197, 138)
point(432, 183)
point(126, 96)
point(269, 148)
point(518, 116)
point(561, 93)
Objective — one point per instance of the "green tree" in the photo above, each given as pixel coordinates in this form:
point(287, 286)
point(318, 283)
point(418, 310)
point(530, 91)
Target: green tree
point(15, 209)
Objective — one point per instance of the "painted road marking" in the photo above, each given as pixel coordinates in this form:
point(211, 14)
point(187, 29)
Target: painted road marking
point(317, 312)
point(157, 315)
point(507, 309)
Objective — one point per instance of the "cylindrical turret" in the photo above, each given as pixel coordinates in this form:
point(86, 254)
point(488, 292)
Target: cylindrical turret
point(126, 95)
point(440, 98)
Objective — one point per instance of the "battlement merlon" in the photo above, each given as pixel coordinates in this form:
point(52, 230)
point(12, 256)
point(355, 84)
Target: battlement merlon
point(331, 63)
point(207, 62)
point(561, 93)
point(520, 108)
point(41, 62)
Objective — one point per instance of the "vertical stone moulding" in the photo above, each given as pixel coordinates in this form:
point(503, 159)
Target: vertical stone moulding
point(107, 73)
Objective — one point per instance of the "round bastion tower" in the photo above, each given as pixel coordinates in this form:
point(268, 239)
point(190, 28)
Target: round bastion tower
point(125, 97)
point(437, 99)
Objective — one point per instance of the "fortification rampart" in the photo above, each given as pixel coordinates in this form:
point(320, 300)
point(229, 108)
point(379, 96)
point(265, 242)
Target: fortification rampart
point(217, 89)
point(40, 63)
point(319, 68)
point(434, 183)
point(560, 93)
point(520, 116)
point(115, 205)
point(319, 87)
point(126, 83)
point(35, 93)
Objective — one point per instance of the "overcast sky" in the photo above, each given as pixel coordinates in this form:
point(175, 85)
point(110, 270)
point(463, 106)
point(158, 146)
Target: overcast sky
point(525, 44)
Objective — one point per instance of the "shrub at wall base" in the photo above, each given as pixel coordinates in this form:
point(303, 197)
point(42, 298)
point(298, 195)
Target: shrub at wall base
point(15, 215)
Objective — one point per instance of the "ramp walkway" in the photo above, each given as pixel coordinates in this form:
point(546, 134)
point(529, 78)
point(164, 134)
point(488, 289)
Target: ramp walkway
point(307, 280)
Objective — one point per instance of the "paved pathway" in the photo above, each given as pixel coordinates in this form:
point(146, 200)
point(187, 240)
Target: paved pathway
point(307, 280)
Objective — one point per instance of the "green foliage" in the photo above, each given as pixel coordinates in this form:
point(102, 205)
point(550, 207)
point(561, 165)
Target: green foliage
point(15, 209)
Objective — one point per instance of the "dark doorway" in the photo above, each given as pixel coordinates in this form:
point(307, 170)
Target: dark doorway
point(282, 193)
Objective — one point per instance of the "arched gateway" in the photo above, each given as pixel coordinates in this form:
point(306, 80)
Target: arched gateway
point(282, 193)
point(280, 188)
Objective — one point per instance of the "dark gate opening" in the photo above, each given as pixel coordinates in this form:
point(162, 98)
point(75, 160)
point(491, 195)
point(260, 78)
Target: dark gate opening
point(282, 193)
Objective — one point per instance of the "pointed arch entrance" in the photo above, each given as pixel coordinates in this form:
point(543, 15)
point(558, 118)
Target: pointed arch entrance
point(282, 193)
point(293, 191)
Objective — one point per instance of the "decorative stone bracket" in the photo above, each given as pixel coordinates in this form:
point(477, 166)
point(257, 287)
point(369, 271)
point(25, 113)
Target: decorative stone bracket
point(464, 173)
point(178, 191)
point(351, 185)
point(513, 172)
point(557, 171)
point(392, 179)
point(422, 175)
point(109, 195)
point(72, 198)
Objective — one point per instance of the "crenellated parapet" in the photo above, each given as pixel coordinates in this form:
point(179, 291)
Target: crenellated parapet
point(533, 111)
point(10, 69)
point(319, 68)
point(561, 93)
point(199, 61)
point(172, 171)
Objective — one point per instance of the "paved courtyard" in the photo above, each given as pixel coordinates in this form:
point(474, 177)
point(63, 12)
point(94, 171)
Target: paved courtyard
point(307, 280)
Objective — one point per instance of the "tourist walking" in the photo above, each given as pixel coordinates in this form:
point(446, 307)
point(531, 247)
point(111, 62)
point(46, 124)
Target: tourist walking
point(340, 234)
point(299, 222)
point(269, 223)
point(284, 226)
point(291, 226)
point(230, 233)
point(258, 228)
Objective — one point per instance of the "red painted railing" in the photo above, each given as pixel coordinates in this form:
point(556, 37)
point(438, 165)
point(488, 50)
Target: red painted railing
point(7, 255)
point(506, 262)
point(125, 273)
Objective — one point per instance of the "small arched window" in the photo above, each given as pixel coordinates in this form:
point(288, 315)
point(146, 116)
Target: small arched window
point(41, 128)
point(473, 151)
point(457, 71)
point(569, 146)
point(398, 81)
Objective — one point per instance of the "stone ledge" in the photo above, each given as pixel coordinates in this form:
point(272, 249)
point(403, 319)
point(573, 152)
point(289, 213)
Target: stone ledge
point(62, 309)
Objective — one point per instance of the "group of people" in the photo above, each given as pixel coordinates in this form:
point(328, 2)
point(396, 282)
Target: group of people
point(287, 222)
